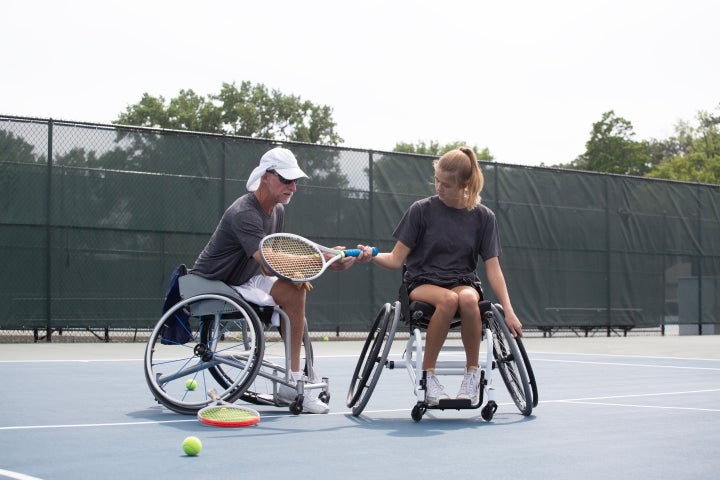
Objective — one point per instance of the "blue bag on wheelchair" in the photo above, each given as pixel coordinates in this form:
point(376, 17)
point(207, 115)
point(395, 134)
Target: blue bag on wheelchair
point(176, 330)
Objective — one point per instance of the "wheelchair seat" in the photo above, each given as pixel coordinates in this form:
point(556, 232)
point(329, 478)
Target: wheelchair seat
point(418, 314)
point(192, 285)
point(421, 313)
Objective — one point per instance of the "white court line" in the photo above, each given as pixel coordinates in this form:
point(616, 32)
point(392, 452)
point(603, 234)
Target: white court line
point(193, 419)
point(110, 360)
point(154, 422)
point(91, 425)
point(78, 360)
point(619, 355)
point(594, 400)
point(16, 475)
point(623, 364)
point(580, 401)
point(641, 406)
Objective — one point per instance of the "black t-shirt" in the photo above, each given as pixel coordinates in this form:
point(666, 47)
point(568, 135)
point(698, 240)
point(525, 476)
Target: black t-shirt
point(445, 242)
point(228, 254)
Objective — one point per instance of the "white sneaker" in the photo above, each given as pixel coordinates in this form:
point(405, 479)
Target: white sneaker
point(434, 391)
point(470, 387)
point(311, 402)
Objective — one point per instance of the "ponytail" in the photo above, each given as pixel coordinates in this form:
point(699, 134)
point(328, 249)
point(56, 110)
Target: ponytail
point(462, 162)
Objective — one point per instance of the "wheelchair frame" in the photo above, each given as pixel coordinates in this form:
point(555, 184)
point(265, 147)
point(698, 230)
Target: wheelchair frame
point(503, 352)
point(225, 351)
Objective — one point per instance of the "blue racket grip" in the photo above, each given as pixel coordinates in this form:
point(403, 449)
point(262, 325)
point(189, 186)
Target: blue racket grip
point(355, 252)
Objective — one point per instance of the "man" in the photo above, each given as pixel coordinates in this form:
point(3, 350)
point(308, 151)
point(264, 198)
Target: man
point(231, 255)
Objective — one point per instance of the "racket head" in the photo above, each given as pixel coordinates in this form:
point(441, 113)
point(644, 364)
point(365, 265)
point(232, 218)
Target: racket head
point(293, 257)
point(227, 415)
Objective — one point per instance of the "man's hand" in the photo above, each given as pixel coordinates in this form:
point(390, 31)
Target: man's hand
point(342, 264)
point(307, 286)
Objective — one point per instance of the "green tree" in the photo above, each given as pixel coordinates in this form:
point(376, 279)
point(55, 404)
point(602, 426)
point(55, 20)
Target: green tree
point(410, 170)
point(435, 149)
point(612, 149)
point(665, 149)
point(247, 110)
point(23, 178)
point(697, 156)
point(14, 149)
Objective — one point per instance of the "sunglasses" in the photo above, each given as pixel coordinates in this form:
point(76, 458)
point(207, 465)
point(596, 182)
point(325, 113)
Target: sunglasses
point(281, 178)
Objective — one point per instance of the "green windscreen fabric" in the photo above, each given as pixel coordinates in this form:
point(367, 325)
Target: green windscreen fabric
point(93, 219)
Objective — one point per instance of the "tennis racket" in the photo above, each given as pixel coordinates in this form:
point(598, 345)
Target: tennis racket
point(224, 414)
point(298, 259)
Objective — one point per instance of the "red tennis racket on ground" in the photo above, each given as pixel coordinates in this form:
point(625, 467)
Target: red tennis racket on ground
point(298, 259)
point(224, 414)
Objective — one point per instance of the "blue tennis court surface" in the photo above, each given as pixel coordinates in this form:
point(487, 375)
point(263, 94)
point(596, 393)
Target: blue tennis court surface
point(634, 407)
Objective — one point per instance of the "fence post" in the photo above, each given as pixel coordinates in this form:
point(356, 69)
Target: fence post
point(48, 236)
point(371, 208)
point(698, 204)
point(608, 256)
point(223, 180)
point(665, 263)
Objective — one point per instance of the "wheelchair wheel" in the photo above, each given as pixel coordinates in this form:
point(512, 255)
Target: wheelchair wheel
point(368, 356)
point(224, 350)
point(510, 362)
point(373, 358)
point(529, 371)
point(526, 361)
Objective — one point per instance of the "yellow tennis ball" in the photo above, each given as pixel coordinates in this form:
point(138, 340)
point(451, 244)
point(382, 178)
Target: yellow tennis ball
point(192, 446)
point(191, 384)
point(326, 339)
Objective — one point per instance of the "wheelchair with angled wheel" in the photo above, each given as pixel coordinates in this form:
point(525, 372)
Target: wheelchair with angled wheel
point(211, 338)
point(501, 352)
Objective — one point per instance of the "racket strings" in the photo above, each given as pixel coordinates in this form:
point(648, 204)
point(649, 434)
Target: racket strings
point(227, 414)
point(292, 258)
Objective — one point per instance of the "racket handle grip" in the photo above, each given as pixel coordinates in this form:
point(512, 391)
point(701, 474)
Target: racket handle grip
point(355, 252)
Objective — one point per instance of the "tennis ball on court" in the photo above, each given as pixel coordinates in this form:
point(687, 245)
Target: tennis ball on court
point(325, 339)
point(191, 384)
point(192, 446)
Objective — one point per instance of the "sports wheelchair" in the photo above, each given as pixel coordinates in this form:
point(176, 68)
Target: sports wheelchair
point(503, 352)
point(211, 338)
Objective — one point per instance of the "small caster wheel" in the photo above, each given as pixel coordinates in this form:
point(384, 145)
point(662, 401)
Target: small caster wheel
point(296, 407)
point(417, 412)
point(324, 397)
point(488, 411)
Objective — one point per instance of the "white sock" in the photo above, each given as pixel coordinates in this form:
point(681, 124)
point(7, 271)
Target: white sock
point(296, 375)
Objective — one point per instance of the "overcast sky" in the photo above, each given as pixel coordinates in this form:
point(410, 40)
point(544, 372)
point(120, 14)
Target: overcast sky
point(525, 78)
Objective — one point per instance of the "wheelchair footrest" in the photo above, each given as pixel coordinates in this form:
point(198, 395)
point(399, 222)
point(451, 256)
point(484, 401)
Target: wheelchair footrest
point(454, 403)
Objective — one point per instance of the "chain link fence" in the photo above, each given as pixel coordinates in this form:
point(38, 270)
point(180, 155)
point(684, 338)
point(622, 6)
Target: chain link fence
point(93, 219)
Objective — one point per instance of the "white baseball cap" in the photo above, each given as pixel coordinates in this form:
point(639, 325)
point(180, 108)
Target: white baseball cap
point(280, 160)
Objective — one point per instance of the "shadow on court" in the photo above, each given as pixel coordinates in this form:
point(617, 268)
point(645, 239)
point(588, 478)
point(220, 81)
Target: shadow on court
point(74, 412)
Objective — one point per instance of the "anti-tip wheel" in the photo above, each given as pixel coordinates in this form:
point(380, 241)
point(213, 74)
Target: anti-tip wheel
point(488, 411)
point(296, 407)
point(417, 412)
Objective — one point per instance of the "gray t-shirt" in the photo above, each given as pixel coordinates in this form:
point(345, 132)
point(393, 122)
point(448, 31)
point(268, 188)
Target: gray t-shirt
point(228, 254)
point(445, 242)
